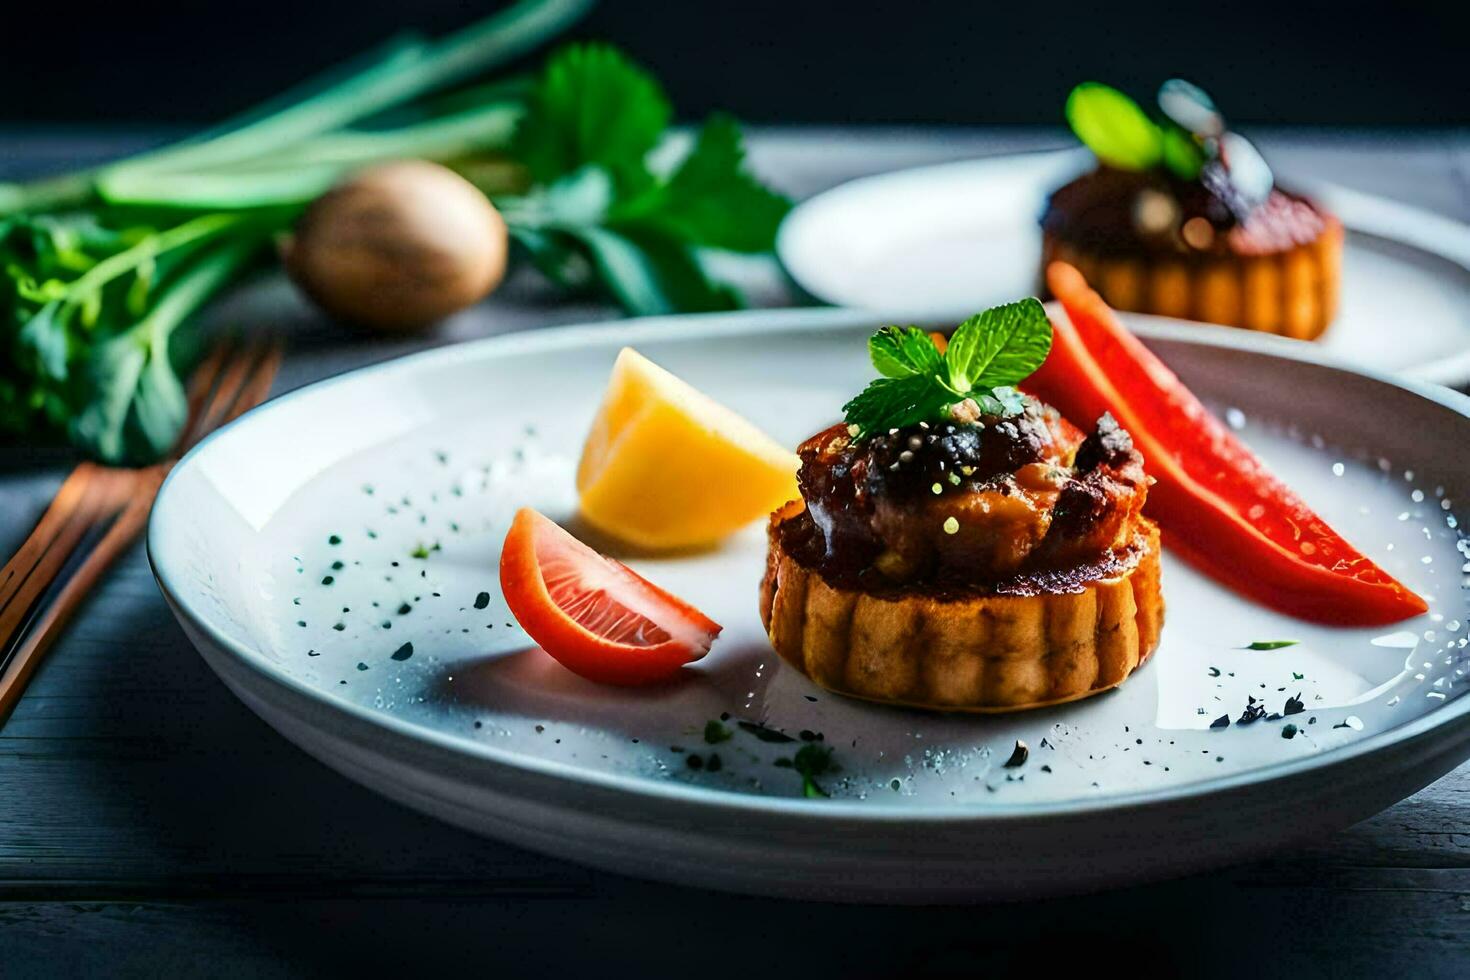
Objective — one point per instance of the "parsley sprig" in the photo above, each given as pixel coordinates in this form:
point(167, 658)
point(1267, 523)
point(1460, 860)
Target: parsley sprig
point(987, 356)
point(610, 206)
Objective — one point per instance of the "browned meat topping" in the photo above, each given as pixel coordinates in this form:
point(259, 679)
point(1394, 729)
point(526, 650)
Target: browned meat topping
point(965, 505)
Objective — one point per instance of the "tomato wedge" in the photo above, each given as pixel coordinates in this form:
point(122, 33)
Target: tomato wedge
point(595, 615)
point(1220, 508)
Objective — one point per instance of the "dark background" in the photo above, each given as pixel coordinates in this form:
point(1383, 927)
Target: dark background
point(1011, 62)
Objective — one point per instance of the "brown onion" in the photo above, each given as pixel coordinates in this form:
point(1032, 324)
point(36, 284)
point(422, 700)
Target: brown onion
point(398, 246)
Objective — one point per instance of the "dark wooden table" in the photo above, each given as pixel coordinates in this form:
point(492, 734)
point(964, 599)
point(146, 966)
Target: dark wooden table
point(150, 825)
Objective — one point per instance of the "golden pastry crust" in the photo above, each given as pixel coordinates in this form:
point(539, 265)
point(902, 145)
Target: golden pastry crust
point(1293, 293)
point(983, 654)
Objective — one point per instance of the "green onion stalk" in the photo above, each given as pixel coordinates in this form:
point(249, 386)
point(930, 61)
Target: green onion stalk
point(101, 268)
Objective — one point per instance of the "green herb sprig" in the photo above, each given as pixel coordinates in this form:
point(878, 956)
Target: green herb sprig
point(608, 206)
point(986, 357)
point(100, 269)
point(811, 761)
point(1121, 134)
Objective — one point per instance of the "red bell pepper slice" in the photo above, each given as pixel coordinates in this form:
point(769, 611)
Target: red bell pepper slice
point(1218, 505)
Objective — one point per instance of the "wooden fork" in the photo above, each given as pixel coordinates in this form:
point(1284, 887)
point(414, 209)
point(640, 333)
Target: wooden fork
point(45, 582)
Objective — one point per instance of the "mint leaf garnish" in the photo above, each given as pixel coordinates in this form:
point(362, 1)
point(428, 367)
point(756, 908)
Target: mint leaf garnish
point(892, 403)
point(999, 347)
point(1182, 153)
point(900, 352)
point(1114, 127)
point(988, 354)
point(1190, 135)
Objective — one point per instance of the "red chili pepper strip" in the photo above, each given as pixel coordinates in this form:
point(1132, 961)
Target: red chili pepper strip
point(1219, 507)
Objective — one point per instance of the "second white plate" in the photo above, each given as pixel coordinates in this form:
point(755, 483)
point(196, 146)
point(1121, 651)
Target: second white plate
point(954, 238)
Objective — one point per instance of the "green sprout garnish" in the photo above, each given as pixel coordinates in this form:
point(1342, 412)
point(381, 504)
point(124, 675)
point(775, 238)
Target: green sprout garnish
point(987, 356)
point(1121, 134)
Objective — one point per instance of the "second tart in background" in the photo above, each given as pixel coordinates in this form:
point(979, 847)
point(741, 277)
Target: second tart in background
point(1187, 220)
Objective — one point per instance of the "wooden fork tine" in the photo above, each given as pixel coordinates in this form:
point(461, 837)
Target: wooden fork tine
point(73, 492)
point(258, 386)
point(28, 655)
point(99, 499)
point(201, 383)
point(225, 384)
point(215, 411)
point(231, 381)
point(68, 498)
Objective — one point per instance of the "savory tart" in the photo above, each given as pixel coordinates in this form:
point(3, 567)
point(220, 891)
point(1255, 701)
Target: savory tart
point(964, 547)
point(1184, 219)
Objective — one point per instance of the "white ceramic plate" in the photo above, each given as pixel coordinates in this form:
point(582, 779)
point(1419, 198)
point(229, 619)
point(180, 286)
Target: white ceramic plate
point(429, 456)
point(950, 239)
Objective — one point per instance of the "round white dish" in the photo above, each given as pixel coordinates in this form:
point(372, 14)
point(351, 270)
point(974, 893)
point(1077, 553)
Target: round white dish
point(406, 475)
point(947, 240)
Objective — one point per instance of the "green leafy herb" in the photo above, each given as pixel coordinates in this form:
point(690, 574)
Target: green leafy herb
point(715, 732)
point(592, 107)
point(812, 760)
point(1182, 153)
point(999, 347)
point(894, 403)
point(1114, 127)
point(101, 270)
point(89, 312)
point(711, 200)
point(600, 211)
point(987, 355)
point(1270, 644)
point(902, 352)
point(1121, 134)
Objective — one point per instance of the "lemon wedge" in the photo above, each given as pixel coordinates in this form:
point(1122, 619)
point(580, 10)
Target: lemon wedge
point(666, 466)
